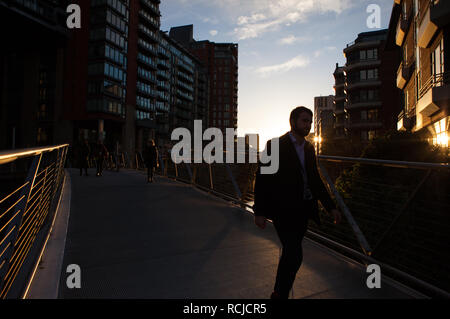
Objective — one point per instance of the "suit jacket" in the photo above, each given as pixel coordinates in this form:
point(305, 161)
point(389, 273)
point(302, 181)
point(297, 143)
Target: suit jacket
point(280, 195)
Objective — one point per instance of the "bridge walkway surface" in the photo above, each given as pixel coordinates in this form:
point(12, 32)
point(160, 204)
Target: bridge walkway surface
point(170, 240)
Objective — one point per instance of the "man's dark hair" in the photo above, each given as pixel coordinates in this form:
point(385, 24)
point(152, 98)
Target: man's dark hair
point(295, 113)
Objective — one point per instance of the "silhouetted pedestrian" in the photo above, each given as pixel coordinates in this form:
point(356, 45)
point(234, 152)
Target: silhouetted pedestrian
point(84, 152)
point(150, 155)
point(289, 197)
point(101, 153)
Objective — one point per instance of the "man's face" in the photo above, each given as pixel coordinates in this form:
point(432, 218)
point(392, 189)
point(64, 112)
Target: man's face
point(303, 124)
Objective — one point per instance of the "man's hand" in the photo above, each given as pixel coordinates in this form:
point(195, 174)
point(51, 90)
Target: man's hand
point(336, 215)
point(260, 221)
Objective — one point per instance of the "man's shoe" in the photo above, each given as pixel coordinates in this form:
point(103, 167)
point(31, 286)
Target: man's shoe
point(276, 295)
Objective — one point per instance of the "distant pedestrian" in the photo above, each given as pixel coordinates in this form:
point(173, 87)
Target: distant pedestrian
point(150, 155)
point(84, 151)
point(101, 153)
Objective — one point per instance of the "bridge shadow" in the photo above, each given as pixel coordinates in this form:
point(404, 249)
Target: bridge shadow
point(170, 240)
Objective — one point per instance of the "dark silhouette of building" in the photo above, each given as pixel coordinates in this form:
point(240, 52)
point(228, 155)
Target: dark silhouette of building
point(221, 61)
point(32, 72)
point(371, 97)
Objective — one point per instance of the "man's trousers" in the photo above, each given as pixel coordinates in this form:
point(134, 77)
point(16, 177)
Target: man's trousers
point(290, 229)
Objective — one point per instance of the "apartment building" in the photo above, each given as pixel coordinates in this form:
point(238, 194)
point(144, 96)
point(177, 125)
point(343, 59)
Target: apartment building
point(221, 63)
point(421, 28)
point(323, 116)
point(371, 98)
point(339, 103)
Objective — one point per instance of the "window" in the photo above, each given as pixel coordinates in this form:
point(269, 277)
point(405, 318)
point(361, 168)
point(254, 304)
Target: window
point(363, 115)
point(364, 135)
point(372, 115)
point(362, 75)
point(437, 59)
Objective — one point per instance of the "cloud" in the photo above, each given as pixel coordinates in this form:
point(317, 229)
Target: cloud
point(270, 16)
point(291, 39)
point(213, 32)
point(294, 63)
point(210, 20)
point(319, 52)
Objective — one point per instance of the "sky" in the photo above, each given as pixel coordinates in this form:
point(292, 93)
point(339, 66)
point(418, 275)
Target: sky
point(288, 49)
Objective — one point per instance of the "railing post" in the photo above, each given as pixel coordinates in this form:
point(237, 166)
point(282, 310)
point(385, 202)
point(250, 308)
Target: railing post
point(8, 246)
point(211, 185)
point(176, 171)
point(161, 163)
point(357, 231)
point(233, 181)
point(189, 170)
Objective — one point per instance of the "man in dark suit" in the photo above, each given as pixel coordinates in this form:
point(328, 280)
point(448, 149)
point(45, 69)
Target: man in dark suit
point(289, 197)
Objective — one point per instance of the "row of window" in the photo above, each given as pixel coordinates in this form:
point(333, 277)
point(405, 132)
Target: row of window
point(365, 96)
point(108, 70)
point(219, 122)
point(140, 115)
point(149, 17)
point(116, 21)
point(99, 87)
point(225, 115)
point(115, 55)
point(110, 35)
point(105, 106)
point(145, 88)
point(369, 54)
point(146, 74)
point(368, 74)
point(116, 4)
point(144, 102)
point(146, 59)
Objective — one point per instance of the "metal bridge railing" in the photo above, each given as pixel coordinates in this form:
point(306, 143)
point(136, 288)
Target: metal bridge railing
point(396, 213)
point(31, 181)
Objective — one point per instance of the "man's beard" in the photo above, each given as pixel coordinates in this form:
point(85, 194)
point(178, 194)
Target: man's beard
point(300, 132)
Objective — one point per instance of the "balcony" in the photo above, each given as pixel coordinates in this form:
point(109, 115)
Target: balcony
point(153, 22)
point(427, 29)
point(338, 86)
point(151, 6)
point(339, 98)
point(404, 74)
point(433, 96)
point(362, 63)
point(404, 123)
point(361, 45)
point(362, 104)
point(357, 84)
point(147, 123)
point(400, 32)
point(440, 12)
point(363, 124)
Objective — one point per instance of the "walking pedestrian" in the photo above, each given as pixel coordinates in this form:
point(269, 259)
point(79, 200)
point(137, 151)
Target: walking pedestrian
point(100, 155)
point(150, 155)
point(289, 197)
point(84, 151)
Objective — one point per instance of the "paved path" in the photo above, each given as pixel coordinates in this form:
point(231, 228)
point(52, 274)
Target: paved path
point(169, 240)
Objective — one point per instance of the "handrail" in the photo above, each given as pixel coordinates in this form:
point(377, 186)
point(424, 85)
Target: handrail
point(25, 212)
point(6, 156)
point(381, 162)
